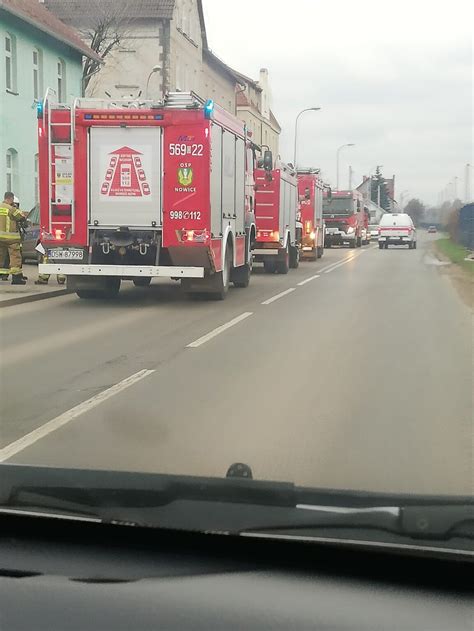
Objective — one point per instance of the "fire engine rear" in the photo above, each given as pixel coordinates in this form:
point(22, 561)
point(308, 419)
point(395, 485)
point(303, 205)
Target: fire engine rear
point(134, 190)
point(310, 193)
point(276, 204)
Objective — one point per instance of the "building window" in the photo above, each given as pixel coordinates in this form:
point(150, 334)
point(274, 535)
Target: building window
point(11, 169)
point(36, 178)
point(37, 74)
point(61, 81)
point(10, 62)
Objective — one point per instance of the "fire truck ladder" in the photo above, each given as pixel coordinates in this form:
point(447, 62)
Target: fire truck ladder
point(58, 140)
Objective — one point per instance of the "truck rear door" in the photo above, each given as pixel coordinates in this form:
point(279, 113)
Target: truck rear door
point(125, 176)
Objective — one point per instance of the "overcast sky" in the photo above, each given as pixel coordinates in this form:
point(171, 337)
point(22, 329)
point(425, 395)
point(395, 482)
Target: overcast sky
point(395, 78)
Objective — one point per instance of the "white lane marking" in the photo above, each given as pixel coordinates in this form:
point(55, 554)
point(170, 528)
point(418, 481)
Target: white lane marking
point(220, 329)
point(343, 263)
point(323, 269)
point(307, 280)
point(278, 296)
point(51, 426)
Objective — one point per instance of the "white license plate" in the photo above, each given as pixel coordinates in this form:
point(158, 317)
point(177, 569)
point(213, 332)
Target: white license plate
point(66, 254)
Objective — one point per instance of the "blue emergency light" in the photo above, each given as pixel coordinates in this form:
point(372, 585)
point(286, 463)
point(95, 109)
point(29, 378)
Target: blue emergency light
point(208, 108)
point(39, 109)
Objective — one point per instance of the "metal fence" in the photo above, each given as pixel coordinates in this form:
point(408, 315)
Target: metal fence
point(465, 231)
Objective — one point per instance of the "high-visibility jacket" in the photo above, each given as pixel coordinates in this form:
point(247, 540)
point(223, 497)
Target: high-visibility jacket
point(8, 227)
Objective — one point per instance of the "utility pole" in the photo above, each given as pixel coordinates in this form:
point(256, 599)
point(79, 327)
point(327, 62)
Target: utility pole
point(455, 186)
point(350, 178)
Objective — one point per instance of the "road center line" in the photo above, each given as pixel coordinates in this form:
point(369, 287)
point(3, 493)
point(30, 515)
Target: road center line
point(343, 263)
point(220, 329)
point(51, 426)
point(278, 296)
point(307, 280)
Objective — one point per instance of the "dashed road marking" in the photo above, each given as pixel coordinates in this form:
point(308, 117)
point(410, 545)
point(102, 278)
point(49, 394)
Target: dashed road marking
point(307, 280)
point(51, 426)
point(278, 296)
point(220, 329)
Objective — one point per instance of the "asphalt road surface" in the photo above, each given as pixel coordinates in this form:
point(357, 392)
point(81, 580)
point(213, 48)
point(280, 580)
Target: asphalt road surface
point(353, 372)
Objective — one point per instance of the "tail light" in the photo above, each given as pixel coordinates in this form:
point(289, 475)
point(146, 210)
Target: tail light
point(308, 227)
point(59, 234)
point(312, 235)
point(195, 236)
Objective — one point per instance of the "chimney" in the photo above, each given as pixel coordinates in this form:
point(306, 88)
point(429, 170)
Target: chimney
point(266, 94)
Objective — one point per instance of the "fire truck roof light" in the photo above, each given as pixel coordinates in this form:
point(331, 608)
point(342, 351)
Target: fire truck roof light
point(39, 109)
point(208, 108)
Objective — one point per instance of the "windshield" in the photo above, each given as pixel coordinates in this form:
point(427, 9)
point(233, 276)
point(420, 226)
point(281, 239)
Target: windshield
point(178, 307)
point(344, 206)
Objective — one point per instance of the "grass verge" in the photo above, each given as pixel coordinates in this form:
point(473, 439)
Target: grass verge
point(455, 253)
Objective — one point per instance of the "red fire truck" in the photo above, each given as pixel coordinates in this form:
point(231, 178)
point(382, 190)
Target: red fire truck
point(134, 190)
point(276, 204)
point(310, 193)
point(345, 217)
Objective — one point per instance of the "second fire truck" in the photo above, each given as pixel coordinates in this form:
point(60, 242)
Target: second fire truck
point(278, 240)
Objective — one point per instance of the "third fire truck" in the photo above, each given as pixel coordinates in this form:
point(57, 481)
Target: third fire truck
point(131, 190)
point(345, 217)
point(310, 193)
point(276, 207)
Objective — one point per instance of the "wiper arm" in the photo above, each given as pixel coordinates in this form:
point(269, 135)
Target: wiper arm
point(418, 522)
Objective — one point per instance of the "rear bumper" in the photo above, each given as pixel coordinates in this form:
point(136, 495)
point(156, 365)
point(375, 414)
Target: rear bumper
point(265, 251)
point(124, 271)
point(396, 239)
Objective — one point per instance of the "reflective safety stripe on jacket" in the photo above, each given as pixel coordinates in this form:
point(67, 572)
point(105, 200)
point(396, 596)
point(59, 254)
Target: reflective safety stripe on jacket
point(8, 228)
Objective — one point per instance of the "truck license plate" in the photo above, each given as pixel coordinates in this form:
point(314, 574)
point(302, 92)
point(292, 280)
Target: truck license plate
point(65, 254)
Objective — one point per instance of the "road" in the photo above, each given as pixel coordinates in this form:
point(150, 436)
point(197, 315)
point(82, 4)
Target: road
point(359, 376)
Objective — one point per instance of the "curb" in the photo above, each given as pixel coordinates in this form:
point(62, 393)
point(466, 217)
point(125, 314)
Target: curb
point(33, 298)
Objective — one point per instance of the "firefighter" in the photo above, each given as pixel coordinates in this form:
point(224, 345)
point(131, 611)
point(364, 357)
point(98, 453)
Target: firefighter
point(10, 239)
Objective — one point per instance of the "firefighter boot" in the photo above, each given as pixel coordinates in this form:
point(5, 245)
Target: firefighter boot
point(17, 279)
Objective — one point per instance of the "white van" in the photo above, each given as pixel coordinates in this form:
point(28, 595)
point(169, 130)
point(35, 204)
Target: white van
point(397, 229)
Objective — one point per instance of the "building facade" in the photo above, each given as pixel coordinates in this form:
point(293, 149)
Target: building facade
point(162, 47)
point(254, 108)
point(38, 52)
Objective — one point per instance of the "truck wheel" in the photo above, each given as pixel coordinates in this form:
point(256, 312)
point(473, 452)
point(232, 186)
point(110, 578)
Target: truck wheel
point(386, 246)
point(222, 279)
point(112, 287)
point(381, 246)
point(269, 266)
point(359, 242)
point(88, 294)
point(283, 267)
point(353, 244)
point(414, 245)
point(294, 257)
point(241, 275)
point(142, 281)
point(320, 251)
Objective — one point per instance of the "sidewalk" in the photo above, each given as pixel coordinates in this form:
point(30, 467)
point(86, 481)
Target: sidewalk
point(17, 294)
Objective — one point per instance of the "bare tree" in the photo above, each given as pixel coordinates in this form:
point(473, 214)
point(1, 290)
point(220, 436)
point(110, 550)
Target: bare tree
point(106, 28)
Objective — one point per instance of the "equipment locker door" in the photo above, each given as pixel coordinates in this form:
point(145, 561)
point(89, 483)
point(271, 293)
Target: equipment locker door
point(125, 176)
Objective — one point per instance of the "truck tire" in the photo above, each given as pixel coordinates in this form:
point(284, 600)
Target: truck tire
point(320, 251)
point(112, 287)
point(414, 245)
point(294, 257)
point(353, 244)
point(142, 281)
point(359, 242)
point(241, 275)
point(381, 246)
point(269, 266)
point(221, 280)
point(88, 294)
point(283, 267)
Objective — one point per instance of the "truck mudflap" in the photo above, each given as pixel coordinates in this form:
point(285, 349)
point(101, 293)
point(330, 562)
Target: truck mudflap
point(123, 271)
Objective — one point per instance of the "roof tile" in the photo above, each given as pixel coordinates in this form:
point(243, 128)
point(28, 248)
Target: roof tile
point(38, 16)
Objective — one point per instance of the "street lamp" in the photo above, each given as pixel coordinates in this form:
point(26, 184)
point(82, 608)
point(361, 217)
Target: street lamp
point(153, 70)
point(308, 109)
point(349, 144)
